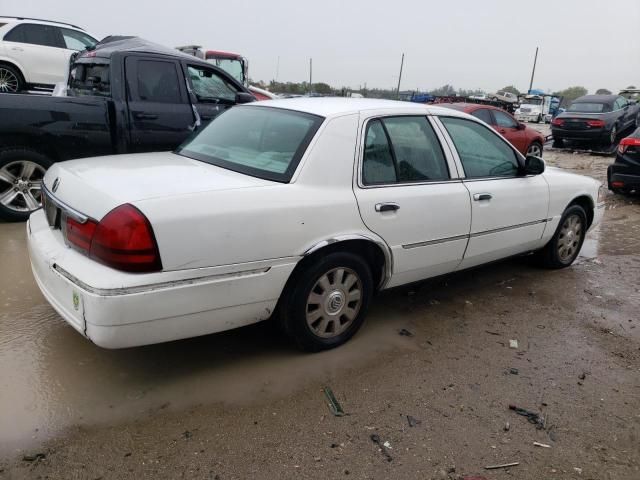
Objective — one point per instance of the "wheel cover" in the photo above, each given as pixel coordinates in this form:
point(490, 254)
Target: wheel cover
point(614, 134)
point(8, 81)
point(534, 150)
point(21, 186)
point(334, 302)
point(570, 237)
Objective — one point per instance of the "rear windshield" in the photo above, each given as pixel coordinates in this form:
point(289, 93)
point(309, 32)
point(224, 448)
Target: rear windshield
point(589, 107)
point(262, 142)
point(90, 79)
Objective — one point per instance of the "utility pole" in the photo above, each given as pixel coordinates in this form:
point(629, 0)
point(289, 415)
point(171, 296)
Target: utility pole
point(310, 75)
point(278, 68)
point(400, 77)
point(533, 72)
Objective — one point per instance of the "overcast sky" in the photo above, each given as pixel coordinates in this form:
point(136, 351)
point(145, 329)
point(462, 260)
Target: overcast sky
point(467, 43)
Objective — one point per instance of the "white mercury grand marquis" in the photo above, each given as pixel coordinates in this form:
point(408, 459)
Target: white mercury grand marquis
point(299, 209)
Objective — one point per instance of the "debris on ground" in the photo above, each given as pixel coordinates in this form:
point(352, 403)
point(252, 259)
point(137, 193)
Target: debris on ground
point(513, 344)
point(582, 376)
point(413, 421)
point(492, 333)
point(543, 445)
point(187, 434)
point(513, 371)
point(507, 426)
point(504, 465)
point(34, 457)
point(533, 417)
point(382, 446)
point(577, 470)
point(334, 406)
point(474, 478)
point(405, 333)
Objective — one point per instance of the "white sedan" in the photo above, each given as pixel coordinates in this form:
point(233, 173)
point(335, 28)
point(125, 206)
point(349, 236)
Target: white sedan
point(300, 209)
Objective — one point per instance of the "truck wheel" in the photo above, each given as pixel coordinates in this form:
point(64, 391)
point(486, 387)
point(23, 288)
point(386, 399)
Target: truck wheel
point(564, 246)
point(325, 304)
point(10, 79)
point(21, 174)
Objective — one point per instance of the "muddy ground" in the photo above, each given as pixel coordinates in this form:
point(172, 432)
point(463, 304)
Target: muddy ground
point(244, 404)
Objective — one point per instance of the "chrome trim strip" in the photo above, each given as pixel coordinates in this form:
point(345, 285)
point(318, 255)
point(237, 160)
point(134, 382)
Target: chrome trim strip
point(112, 292)
point(510, 227)
point(72, 212)
point(434, 242)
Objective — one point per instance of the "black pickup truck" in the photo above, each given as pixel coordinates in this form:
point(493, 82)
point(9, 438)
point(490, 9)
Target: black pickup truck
point(126, 95)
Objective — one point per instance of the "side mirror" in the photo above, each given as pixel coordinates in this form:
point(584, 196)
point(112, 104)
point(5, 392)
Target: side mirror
point(533, 165)
point(244, 97)
point(521, 126)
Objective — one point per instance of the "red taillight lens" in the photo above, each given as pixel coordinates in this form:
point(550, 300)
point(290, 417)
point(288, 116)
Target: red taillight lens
point(78, 234)
point(595, 123)
point(557, 122)
point(124, 240)
point(625, 143)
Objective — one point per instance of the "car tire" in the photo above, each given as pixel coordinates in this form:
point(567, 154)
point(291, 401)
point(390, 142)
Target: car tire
point(21, 174)
point(565, 245)
point(325, 303)
point(11, 80)
point(558, 143)
point(534, 149)
point(613, 135)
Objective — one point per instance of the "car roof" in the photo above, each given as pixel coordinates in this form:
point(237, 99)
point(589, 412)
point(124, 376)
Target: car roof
point(41, 21)
point(470, 107)
point(337, 106)
point(596, 99)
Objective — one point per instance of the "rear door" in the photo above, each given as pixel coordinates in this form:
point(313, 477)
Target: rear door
point(409, 193)
point(508, 210)
point(39, 50)
point(160, 115)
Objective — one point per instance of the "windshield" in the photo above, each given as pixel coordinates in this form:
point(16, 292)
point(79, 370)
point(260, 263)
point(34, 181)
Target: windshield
point(589, 107)
point(90, 79)
point(532, 101)
point(262, 142)
point(232, 66)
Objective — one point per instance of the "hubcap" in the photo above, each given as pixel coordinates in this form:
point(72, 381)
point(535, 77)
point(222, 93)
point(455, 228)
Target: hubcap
point(334, 302)
point(614, 134)
point(8, 81)
point(569, 239)
point(534, 150)
point(20, 186)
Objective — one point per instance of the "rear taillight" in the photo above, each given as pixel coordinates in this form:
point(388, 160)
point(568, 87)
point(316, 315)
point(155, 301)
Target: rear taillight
point(595, 123)
point(558, 122)
point(123, 240)
point(625, 143)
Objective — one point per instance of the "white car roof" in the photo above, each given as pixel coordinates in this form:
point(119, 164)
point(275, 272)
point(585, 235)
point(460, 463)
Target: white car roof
point(336, 106)
point(15, 20)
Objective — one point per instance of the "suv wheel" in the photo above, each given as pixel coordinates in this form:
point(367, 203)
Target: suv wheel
point(10, 80)
point(21, 174)
point(325, 304)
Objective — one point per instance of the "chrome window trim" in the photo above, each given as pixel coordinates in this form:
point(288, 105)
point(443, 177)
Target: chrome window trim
point(71, 212)
point(446, 151)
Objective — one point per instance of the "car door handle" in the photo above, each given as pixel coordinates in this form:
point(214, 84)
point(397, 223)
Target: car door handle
point(387, 207)
point(145, 116)
point(482, 196)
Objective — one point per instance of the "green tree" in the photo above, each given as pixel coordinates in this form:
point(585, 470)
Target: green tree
point(510, 89)
point(322, 88)
point(570, 94)
point(444, 91)
point(603, 91)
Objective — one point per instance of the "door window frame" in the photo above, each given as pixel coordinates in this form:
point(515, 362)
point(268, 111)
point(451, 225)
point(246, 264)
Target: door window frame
point(445, 133)
point(452, 167)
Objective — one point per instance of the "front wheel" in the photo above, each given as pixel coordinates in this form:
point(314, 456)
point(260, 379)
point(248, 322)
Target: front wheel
point(21, 174)
point(535, 149)
point(325, 303)
point(564, 246)
point(10, 80)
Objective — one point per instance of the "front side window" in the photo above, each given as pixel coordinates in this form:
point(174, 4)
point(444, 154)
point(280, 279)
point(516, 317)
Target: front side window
point(158, 82)
point(482, 152)
point(483, 114)
point(503, 120)
point(75, 40)
point(33, 33)
point(262, 142)
point(209, 87)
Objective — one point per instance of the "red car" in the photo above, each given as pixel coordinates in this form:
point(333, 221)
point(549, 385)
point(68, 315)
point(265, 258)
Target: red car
point(526, 140)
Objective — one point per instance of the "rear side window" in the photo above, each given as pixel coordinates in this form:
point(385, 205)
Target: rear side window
point(482, 152)
point(402, 149)
point(483, 114)
point(75, 40)
point(158, 82)
point(90, 79)
point(35, 34)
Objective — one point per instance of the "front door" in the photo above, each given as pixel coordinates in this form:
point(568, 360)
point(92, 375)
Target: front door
point(509, 210)
point(212, 93)
point(409, 194)
point(508, 127)
point(160, 115)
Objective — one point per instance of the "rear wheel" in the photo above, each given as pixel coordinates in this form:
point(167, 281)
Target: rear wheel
point(535, 149)
point(564, 246)
point(613, 135)
point(21, 174)
point(325, 304)
point(10, 80)
point(558, 143)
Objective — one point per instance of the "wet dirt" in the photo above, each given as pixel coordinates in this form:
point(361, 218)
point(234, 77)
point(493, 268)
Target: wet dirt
point(244, 404)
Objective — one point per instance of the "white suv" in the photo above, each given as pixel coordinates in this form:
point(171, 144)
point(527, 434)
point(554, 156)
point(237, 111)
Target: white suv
point(34, 54)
